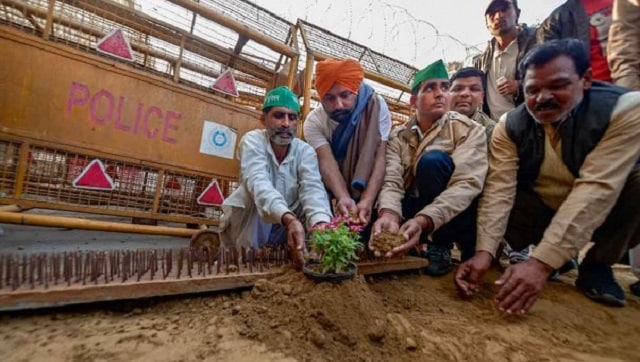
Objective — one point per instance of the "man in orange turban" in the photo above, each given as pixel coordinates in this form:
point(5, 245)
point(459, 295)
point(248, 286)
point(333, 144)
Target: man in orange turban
point(349, 133)
point(347, 73)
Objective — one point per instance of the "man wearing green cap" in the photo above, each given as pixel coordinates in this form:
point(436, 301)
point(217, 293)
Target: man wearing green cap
point(280, 186)
point(435, 168)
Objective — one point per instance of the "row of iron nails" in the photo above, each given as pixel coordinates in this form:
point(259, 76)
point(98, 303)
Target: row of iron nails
point(85, 267)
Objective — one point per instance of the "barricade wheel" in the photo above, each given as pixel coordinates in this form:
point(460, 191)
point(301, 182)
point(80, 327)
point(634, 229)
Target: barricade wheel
point(208, 240)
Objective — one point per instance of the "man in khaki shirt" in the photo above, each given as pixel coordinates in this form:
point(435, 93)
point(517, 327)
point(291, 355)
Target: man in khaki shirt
point(467, 93)
point(435, 169)
point(563, 170)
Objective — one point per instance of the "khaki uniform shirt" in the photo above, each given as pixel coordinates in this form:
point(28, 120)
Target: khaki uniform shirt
point(455, 134)
point(488, 123)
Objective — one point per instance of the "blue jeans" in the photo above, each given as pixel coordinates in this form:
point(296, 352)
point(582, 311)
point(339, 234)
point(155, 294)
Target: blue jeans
point(433, 173)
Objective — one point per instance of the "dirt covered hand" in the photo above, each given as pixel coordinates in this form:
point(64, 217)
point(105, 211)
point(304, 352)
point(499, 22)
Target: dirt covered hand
point(521, 285)
point(364, 212)
point(295, 238)
point(388, 223)
point(411, 230)
point(470, 273)
point(385, 241)
point(346, 207)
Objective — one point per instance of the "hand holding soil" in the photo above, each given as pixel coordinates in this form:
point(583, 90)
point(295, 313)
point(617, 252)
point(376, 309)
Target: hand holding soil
point(385, 241)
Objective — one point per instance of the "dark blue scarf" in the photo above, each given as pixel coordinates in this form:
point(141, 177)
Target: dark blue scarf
point(343, 133)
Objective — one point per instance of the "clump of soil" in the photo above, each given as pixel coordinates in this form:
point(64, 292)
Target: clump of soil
point(384, 241)
point(324, 321)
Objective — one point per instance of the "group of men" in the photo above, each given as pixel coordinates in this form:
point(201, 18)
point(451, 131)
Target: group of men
point(557, 170)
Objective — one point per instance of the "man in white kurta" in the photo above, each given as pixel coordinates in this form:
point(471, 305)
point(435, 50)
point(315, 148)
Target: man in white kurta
point(281, 190)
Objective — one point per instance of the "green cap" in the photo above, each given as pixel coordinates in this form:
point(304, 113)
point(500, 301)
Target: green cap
point(281, 97)
point(436, 70)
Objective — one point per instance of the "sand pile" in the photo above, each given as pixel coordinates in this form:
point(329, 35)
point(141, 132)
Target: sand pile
point(323, 321)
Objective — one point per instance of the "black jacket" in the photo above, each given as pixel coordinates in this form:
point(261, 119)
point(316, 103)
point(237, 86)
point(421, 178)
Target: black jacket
point(568, 20)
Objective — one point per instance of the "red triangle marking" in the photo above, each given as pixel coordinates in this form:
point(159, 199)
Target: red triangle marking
point(211, 195)
point(226, 83)
point(94, 177)
point(115, 44)
point(172, 184)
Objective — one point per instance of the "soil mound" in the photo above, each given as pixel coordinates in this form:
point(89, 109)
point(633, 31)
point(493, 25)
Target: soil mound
point(323, 321)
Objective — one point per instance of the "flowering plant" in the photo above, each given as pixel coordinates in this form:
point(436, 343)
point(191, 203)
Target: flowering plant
point(334, 244)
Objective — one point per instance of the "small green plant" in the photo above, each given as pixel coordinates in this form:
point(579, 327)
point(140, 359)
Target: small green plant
point(334, 244)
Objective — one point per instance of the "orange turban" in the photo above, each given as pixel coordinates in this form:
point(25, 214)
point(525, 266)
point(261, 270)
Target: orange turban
point(347, 73)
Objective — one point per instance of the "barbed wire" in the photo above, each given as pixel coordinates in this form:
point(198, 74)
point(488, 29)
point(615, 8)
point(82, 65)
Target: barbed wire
point(394, 18)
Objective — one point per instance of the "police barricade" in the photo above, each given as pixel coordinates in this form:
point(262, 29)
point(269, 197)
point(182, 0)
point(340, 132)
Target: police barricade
point(107, 107)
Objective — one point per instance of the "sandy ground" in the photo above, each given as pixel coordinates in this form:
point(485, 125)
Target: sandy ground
point(396, 317)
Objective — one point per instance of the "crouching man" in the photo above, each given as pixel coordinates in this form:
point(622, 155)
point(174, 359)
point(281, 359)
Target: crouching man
point(435, 168)
point(563, 170)
point(280, 188)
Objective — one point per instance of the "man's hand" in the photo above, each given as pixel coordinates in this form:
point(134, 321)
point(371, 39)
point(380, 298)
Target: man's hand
point(470, 273)
point(411, 230)
point(295, 238)
point(521, 285)
point(508, 87)
point(346, 207)
point(364, 212)
point(386, 221)
point(320, 224)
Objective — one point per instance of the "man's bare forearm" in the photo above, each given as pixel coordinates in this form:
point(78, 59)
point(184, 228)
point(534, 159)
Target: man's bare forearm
point(377, 175)
point(331, 175)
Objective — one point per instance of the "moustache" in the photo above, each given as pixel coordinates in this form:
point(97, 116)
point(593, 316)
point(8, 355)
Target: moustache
point(546, 106)
point(281, 130)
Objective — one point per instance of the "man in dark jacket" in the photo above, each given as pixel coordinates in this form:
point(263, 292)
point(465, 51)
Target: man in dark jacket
point(563, 171)
point(587, 20)
point(500, 59)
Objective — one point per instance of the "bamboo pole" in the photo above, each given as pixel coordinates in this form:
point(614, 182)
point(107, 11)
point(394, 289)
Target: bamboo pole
point(23, 164)
point(12, 208)
point(76, 223)
point(293, 67)
point(48, 28)
point(308, 79)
